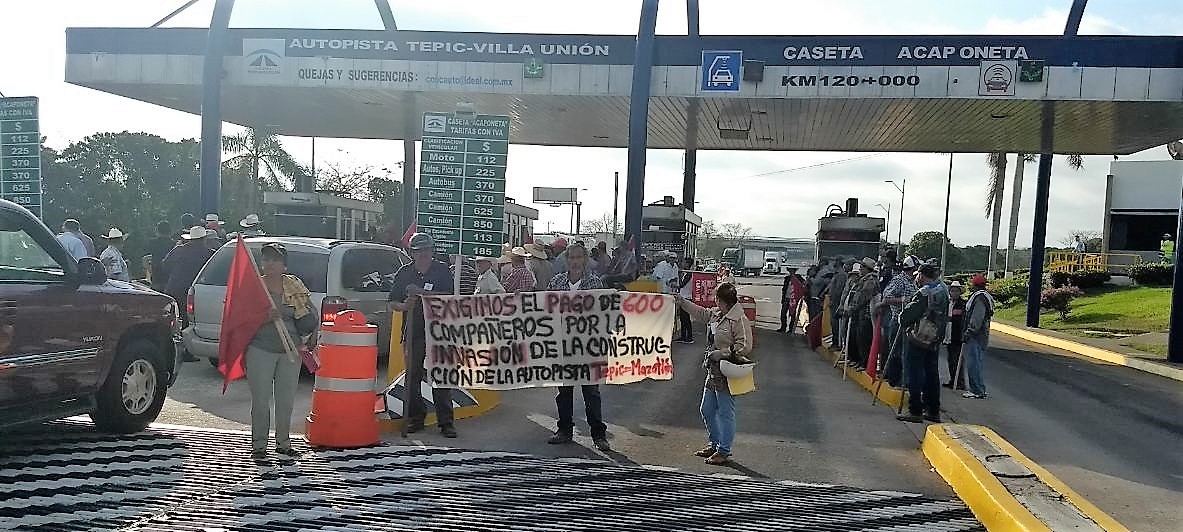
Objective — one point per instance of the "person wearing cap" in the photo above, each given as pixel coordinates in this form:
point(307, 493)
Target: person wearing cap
point(272, 371)
point(423, 275)
point(578, 277)
point(214, 223)
point(954, 336)
point(978, 312)
point(251, 226)
point(899, 291)
point(929, 303)
point(729, 337)
point(837, 283)
point(112, 257)
point(860, 310)
point(183, 264)
point(70, 240)
point(1167, 248)
point(559, 262)
point(486, 279)
point(845, 296)
point(519, 278)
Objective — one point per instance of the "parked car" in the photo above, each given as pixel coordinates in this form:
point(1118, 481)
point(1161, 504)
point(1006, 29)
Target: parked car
point(340, 274)
point(74, 342)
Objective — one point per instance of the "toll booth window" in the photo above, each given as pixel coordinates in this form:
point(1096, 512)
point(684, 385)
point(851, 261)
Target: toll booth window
point(22, 258)
point(312, 268)
point(370, 270)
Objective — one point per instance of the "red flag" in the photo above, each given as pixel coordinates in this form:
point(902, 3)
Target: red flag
point(246, 309)
point(876, 344)
point(406, 240)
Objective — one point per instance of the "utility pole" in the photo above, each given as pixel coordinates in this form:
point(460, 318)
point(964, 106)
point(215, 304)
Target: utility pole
point(945, 231)
point(615, 202)
point(899, 237)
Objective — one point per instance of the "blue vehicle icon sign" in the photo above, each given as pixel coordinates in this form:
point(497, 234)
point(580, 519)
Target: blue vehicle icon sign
point(720, 70)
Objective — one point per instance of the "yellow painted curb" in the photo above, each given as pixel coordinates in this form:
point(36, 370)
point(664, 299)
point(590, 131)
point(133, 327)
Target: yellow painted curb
point(887, 395)
point(1087, 508)
point(1111, 357)
point(989, 500)
point(486, 400)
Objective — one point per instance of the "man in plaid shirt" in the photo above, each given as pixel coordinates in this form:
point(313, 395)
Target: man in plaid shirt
point(519, 278)
point(899, 291)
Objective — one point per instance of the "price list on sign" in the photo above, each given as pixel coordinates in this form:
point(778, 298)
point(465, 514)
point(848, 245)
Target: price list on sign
point(462, 182)
point(20, 153)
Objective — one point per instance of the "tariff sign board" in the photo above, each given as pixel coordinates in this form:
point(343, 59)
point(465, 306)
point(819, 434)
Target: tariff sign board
point(20, 152)
point(462, 182)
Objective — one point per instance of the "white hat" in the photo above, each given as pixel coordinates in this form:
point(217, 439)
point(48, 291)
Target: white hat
point(251, 220)
point(114, 234)
point(213, 218)
point(196, 232)
point(856, 268)
point(910, 262)
point(955, 284)
point(733, 371)
point(536, 250)
point(520, 251)
point(484, 259)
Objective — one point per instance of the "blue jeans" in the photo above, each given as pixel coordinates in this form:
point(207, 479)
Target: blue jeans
point(974, 351)
point(718, 414)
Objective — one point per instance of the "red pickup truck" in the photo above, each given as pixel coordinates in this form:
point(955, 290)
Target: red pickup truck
point(73, 342)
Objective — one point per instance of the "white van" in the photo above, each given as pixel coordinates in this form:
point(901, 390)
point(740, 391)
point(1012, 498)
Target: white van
point(340, 275)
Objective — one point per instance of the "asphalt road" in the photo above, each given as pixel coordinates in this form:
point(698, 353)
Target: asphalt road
point(1111, 433)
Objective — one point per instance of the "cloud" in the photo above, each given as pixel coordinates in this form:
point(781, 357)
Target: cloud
point(1052, 22)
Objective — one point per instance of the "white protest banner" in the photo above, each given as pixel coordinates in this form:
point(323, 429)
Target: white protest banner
point(536, 339)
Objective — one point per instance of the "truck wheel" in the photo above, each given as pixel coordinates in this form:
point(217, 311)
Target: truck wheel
point(133, 394)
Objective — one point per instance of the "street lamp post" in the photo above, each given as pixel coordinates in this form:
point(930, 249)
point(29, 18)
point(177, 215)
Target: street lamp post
point(887, 226)
point(899, 237)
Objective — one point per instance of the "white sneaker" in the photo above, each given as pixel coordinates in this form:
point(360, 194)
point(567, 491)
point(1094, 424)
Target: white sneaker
point(971, 395)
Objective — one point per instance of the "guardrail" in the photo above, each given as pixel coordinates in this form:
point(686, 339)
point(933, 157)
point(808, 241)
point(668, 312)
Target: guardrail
point(1072, 262)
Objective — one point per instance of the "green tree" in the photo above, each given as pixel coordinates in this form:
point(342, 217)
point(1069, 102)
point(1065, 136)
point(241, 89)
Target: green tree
point(269, 166)
point(125, 180)
point(927, 244)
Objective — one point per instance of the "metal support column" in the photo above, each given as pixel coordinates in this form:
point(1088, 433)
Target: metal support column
point(690, 161)
point(1175, 332)
point(1043, 186)
point(211, 107)
point(410, 125)
point(638, 123)
point(1075, 14)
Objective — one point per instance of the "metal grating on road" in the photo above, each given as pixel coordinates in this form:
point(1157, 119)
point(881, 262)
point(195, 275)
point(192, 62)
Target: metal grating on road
point(66, 477)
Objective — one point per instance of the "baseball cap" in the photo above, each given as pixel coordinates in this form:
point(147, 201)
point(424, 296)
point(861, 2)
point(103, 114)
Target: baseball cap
point(911, 262)
point(978, 280)
point(421, 241)
point(275, 248)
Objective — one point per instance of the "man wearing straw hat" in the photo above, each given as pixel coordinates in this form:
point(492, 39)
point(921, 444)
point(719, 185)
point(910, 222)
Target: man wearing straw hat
point(251, 226)
point(486, 280)
point(539, 264)
point(112, 258)
point(519, 278)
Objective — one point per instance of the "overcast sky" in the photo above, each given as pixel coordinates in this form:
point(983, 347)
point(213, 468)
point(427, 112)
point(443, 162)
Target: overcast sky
point(32, 51)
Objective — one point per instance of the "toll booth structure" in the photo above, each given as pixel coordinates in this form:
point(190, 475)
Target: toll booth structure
point(519, 223)
point(1141, 205)
point(322, 215)
point(669, 227)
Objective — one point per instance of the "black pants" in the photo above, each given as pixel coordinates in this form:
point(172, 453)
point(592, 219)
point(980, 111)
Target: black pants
point(441, 398)
point(686, 326)
point(952, 355)
point(924, 380)
point(565, 400)
point(860, 339)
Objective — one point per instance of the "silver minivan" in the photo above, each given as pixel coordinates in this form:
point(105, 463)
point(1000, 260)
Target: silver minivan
point(340, 274)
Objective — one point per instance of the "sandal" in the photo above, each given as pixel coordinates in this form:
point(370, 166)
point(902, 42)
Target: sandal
point(718, 459)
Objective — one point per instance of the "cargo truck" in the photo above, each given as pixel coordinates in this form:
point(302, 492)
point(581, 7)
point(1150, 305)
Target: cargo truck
point(744, 261)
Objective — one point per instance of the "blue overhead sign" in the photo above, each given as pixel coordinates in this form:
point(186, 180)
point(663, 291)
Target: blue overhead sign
point(721, 70)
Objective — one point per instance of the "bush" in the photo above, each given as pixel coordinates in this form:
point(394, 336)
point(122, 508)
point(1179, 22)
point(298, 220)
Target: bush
point(1084, 280)
point(1059, 299)
point(1153, 274)
point(1009, 289)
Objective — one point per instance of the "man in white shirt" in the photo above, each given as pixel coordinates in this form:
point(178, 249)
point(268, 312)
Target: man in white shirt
point(665, 272)
point(487, 281)
point(112, 258)
point(69, 240)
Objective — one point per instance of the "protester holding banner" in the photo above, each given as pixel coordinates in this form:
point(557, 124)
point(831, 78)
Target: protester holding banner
point(271, 369)
point(729, 339)
point(422, 276)
point(578, 277)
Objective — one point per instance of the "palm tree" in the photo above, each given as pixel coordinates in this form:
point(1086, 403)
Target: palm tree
point(994, 189)
point(259, 149)
point(1075, 161)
